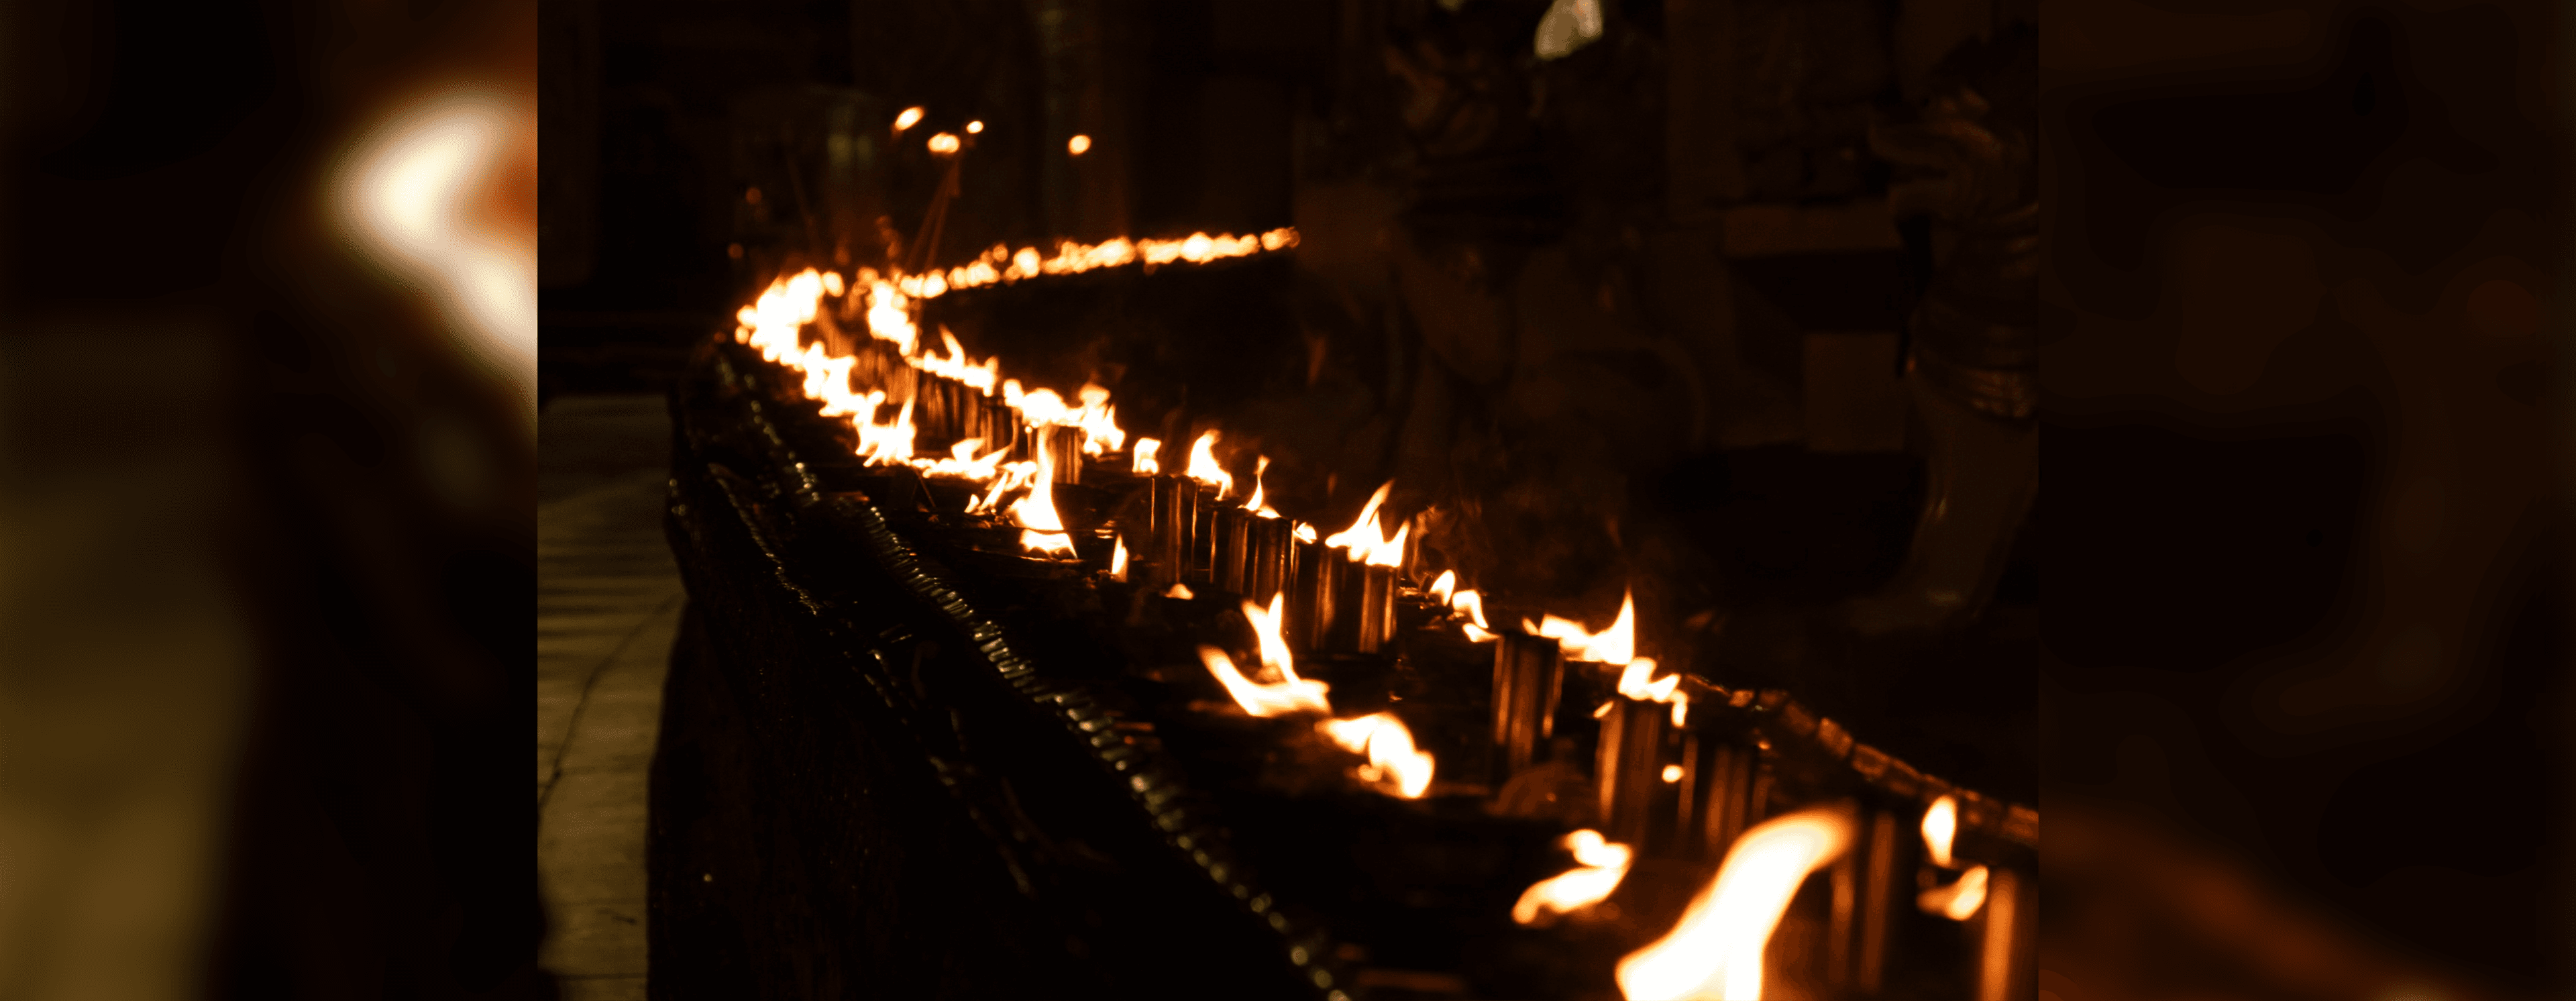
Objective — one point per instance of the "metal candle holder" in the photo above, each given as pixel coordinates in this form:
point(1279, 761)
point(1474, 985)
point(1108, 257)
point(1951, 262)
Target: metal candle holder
point(1630, 767)
point(1230, 549)
point(1315, 609)
point(1064, 452)
point(1174, 511)
point(1529, 675)
point(1271, 558)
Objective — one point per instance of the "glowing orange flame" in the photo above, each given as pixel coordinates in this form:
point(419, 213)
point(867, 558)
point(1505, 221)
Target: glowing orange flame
point(1602, 865)
point(1042, 531)
point(1304, 532)
point(943, 144)
point(1146, 464)
point(1940, 825)
point(909, 118)
point(1118, 561)
point(1393, 762)
point(1179, 590)
point(1365, 541)
point(1291, 695)
point(1078, 145)
point(1253, 503)
point(1203, 466)
point(1715, 951)
point(1958, 901)
point(956, 365)
point(1615, 645)
point(1442, 585)
point(890, 319)
point(962, 462)
point(1276, 664)
point(974, 128)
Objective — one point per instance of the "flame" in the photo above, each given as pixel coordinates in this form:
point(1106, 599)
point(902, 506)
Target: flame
point(1940, 825)
point(1275, 662)
point(1958, 901)
point(1254, 504)
point(1672, 774)
point(1145, 462)
point(909, 118)
point(1365, 541)
point(1011, 476)
point(1179, 590)
point(1602, 865)
point(890, 319)
point(974, 128)
point(884, 444)
point(962, 462)
point(1633, 682)
point(1118, 561)
point(1715, 951)
point(1615, 645)
point(1098, 421)
point(1078, 145)
point(956, 365)
point(1442, 585)
point(943, 144)
point(1304, 532)
point(1393, 761)
point(1204, 469)
point(1042, 531)
point(1291, 695)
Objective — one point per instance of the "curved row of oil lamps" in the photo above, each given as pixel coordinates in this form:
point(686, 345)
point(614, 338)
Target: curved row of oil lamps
point(1713, 952)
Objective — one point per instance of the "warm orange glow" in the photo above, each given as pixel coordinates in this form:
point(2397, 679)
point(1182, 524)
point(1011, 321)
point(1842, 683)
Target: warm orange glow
point(957, 366)
point(1958, 901)
point(1442, 585)
point(1179, 590)
point(962, 462)
point(943, 144)
point(1276, 664)
point(1714, 953)
point(1292, 695)
point(1078, 145)
point(1204, 468)
point(1042, 531)
point(1011, 476)
point(909, 118)
point(1146, 465)
point(1393, 762)
point(1940, 825)
point(1638, 682)
point(1672, 774)
point(1365, 541)
point(974, 128)
point(1253, 503)
point(1304, 532)
point(890, 318)
point(1602, 864)
point(1615, 645)
point(1118, 561)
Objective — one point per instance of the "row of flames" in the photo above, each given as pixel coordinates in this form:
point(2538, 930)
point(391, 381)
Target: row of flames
point(1713, 952)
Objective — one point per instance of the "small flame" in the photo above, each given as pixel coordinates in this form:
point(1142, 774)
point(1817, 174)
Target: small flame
point(1470, 604)
point(974, 128)
point(890, 318)
point(1442, 585)
point(1634, 683)
point(942, 144)
point(1304, 532)
point(1078, 145)
point(1940, 825)
point(910, 117)
point(1118, 561)
point(1602, 865)
point(1393, 760)
point(1179, 590)
point(1672, 774)
point(1291, 695)
point(962, 462)
point(1204, 469)
point(1958, 901)
point(1276, 665)
point(1146, 464)
point(1035, 513)
point(1254, 504)
point(1715, 951)
point(1615, 645)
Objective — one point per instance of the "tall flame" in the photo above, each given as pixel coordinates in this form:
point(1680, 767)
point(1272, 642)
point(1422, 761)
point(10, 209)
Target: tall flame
point(1714, 953)
point(1442, 585)
point(1393, 760)
point(1472, 605)
point(1958, 901)
point(1366, 541)
point(1042, 531)
point(1600, 866)
point(1940, 825)
point(1204, 468)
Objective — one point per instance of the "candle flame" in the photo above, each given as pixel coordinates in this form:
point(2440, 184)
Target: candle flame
point(1714, 953)
point(1292, 695)
point(909, 118)
point(942, 144)
point(1442, 585)
point(1146, 464)
point(974, 128)
point(1204, 468)
point(1600, 866)
point(1078, 145)
point(1118, 561)
point(1958, 901)
point(1365, 541)
point(1940, 825)
point(1615, 645)
point(1043, 532)
point(1393, 763)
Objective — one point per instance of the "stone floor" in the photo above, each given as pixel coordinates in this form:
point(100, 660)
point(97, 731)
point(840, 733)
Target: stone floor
point(608, 609)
